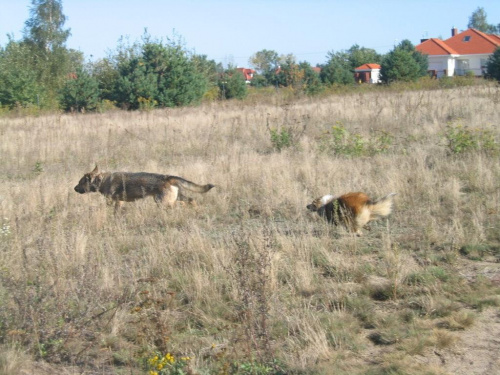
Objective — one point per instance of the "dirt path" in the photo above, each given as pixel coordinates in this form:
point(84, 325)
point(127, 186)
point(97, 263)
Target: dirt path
point(477, 351)
point(478, 348)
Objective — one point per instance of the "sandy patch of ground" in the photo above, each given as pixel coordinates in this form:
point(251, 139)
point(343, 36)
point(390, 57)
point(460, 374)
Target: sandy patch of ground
point(478, 349)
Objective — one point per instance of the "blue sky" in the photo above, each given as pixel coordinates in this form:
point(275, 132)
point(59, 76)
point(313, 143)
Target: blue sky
point(231, 31)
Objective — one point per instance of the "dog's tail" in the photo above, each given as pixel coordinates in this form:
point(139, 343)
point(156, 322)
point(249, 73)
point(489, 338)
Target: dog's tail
point(381, 207)
point(188, 185)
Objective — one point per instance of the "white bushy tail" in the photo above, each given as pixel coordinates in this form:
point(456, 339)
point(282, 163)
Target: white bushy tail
point(382, 207)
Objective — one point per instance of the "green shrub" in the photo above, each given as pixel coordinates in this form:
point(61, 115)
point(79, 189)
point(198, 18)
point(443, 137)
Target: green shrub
point(106, 105)
point(253, 368)
point(146, 104)
point(462, 139)
point(286, 136)
point(479, 251)
point(339, 141)
point(493, 65)
point(280, 139)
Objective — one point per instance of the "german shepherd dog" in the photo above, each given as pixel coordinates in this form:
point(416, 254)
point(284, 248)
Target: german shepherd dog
point(119, 187)
point(353, 210)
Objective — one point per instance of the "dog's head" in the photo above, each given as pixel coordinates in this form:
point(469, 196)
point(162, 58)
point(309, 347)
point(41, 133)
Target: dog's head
point(320, 202)
point(90, 182)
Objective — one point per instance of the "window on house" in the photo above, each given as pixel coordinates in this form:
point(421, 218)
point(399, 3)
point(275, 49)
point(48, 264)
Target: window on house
point(466, 38)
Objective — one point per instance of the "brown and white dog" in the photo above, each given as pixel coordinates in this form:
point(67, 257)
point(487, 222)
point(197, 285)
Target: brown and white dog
point(353, 210)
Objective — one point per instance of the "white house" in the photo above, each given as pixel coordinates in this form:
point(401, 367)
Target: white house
point(367, 73)
point(464, 52)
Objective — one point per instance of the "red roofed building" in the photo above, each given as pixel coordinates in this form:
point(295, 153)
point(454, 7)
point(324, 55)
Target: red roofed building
point(247, 73)
point(464, 52)
point(367, 73)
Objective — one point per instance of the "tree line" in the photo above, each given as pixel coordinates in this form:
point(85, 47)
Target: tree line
point(39, 70)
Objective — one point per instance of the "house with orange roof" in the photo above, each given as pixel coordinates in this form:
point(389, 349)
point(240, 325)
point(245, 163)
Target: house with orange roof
point(247, 73)
point(367, 73)
point(464, 52)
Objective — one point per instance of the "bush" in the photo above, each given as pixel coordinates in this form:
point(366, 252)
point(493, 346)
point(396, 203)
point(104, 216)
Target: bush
point(161, 73)
point(403, 63)
point(341, 142)
point(286, 136)
point(493, 65)
point(336, 71)
point(462, 139)
point(233, 85)
point(19, 86)
point(80, 93)
point(280, 138)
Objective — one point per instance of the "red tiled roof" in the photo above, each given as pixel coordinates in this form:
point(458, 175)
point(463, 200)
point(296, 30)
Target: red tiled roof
point(468, 42)
point(435, 46)
point(495, 37)
point(368, 67)
point(478, 42)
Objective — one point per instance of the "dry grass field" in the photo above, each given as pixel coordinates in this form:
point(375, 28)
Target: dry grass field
point(250, 282)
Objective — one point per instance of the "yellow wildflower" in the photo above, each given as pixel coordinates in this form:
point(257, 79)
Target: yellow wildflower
point(169, 358)
point(153, 360)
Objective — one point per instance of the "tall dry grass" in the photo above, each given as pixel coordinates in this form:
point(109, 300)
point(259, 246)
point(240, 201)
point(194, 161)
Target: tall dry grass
point(249, 277)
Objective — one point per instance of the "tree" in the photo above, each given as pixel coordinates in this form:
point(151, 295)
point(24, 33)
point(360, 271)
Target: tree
point(80, 93)
point(478, 21)
point(338, 69)
point(157, 73)
point(45, 27)
point(232, 85)
point(18, 81)
point(419, 58)
point(265, 61)
point(209, 68)
point(135, 84)
point(403, 63)
point(259, 81)
point(289, 73)
point(312, 83)
point(340, 66)
point(358, 56)
point(106, 75)
point(45, 36)
point(493, 65)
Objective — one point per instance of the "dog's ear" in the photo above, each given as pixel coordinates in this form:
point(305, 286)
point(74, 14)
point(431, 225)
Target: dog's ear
point(95, 171)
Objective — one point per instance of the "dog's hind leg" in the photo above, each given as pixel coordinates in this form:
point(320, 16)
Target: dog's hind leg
point(168, 196)
point(360, 221)
point(182, 199)
point(118, 206)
